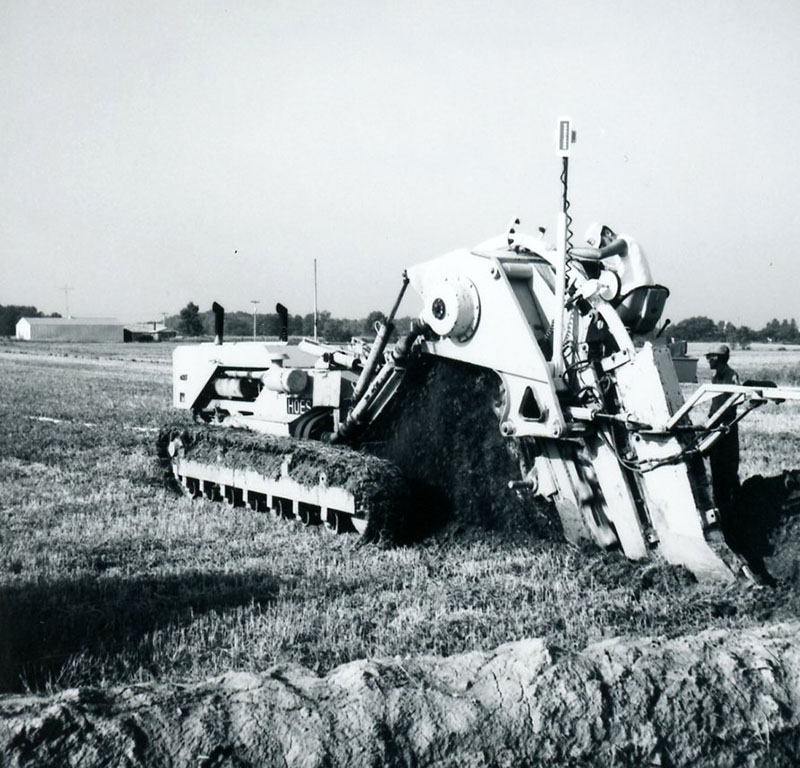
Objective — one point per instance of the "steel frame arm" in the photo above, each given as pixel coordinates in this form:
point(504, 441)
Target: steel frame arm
point(739, 394)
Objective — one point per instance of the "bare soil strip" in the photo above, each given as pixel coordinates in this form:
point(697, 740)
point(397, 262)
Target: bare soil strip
point(719, 698)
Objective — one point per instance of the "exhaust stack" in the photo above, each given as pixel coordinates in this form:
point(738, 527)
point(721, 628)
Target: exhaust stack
point(219, 322)
point(283, 314)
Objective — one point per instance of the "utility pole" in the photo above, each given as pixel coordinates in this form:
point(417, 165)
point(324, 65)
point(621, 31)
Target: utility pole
point(315, 299)
point(255, 303)
point(66, 289)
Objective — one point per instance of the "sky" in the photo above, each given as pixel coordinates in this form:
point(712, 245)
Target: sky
point(156, 153)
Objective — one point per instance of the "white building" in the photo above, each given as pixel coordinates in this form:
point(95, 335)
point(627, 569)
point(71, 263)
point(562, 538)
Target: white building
point(69, 329)
point(150, 331)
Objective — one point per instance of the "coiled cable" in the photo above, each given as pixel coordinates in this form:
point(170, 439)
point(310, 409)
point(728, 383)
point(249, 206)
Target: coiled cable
point(565, 205)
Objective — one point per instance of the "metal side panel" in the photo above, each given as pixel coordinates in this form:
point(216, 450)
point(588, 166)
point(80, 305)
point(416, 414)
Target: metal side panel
point(193, 365)
point(189, 378)
point(683, 539)
point(650, 393)
point(649, 386)
point(502, 338)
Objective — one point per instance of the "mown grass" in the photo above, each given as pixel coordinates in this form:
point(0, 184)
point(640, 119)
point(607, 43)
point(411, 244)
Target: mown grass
point(107, 577)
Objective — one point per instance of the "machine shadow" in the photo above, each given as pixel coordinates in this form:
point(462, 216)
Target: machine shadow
point(43, 624)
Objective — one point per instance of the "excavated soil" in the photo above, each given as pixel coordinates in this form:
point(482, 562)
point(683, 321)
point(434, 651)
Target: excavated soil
point(442, 430)
point(713, 699)
point(766, 526)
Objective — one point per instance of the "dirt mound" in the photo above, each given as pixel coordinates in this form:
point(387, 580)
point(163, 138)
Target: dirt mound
point(783, 560)
point(442, 430)
point(714, 699)
point(765, 527)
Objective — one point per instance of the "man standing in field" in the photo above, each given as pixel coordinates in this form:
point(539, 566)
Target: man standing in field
point(724, 454)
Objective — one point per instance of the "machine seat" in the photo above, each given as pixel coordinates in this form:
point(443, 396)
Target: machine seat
point(640, 309)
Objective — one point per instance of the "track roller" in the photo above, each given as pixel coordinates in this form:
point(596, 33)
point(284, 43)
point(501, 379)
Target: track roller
point(257, 501)
point(308, 514)
point(292, 479)
point(281, 509)
point(190, 486)
point(233, 497)
point(336, 522)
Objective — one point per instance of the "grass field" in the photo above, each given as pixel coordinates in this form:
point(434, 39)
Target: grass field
point(107, 577)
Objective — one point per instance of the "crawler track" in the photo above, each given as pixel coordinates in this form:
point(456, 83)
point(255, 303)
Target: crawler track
point(298, 479)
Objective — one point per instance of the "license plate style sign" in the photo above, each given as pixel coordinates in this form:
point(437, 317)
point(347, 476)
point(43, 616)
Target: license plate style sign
point(566, 136)
point(296, 406)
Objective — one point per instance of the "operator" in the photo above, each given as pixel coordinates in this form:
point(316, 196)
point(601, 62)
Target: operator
point(637, 300)
point(622, 255)
point(724, 454)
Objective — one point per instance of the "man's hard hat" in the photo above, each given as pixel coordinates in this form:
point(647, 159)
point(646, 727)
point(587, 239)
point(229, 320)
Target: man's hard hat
point(720, 350)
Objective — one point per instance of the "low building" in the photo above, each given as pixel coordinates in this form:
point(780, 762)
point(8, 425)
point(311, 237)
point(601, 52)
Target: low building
point(70, 329)
point(150, 331)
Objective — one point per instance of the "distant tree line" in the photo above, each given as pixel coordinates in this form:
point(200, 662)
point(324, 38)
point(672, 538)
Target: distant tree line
point(190, 321)
point(10, 315)
point(701, 328)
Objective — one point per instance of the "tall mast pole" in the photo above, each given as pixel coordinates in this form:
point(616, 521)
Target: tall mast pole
point(566, 136)
point(255, 303)
point(66, 289)
point(315, 300)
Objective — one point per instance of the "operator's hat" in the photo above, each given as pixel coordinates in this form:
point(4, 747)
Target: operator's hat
point(592, 235)
point(720, 350)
